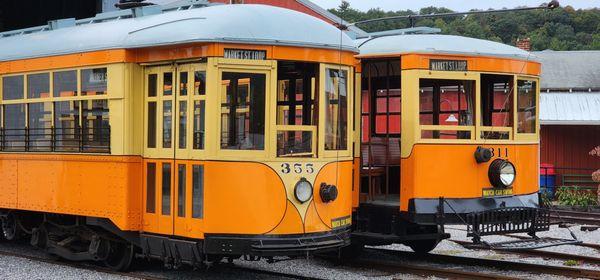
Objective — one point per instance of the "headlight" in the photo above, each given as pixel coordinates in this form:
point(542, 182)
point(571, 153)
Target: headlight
point(502, 173)
point(303, 190)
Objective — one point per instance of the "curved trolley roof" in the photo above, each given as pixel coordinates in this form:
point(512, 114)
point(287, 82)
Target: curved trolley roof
point(439, 44)
point(244, 24)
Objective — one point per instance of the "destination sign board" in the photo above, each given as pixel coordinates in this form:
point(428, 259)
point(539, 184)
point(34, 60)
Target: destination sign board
point(245, 54)
point(447, 65)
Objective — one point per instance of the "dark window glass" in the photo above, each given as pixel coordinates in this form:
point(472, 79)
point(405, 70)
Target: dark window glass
point(198, 191)
point(152, 85)
point(14, 127)
point(181, 190)
point(526, 106)
point(93, 81)
point(152, 124)
point(183, 83)
point(167, 123)
point(96, 126)
point(65, 83)
point(199, 83)
point(336, 109)
point(182, 124)
point(496, 101)
point(12, 87)
point(166, 189)
point(66, 124)
point(199, 124)
point(243, 111)
point(38, 85)
point(40, 126)
point(168, 83)
point(151, 187)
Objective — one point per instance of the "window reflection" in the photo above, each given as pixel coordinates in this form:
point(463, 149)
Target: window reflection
point(526, 105)
point(66, 124)
point(243, 111)
point(199, 109)
point(65, 83)
point(93, 81)
point(38, 85)
point(14, 127)
point(96, 127)
point(40, 126)
point(336, 109)
point(12, 87)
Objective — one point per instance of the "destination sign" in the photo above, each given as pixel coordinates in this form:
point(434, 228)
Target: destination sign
point(447, 65)
point(245, 54)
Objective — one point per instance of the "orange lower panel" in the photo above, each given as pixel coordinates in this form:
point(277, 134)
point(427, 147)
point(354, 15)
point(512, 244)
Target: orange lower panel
point(96, 186)
point(450, 170)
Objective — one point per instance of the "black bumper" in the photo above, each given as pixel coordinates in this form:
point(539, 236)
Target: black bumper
point(265, 245)
point(456, 210)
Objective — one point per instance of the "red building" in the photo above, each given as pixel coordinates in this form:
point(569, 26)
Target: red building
point(570, 113)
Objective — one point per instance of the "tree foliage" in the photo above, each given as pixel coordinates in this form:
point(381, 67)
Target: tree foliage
point(563, 28)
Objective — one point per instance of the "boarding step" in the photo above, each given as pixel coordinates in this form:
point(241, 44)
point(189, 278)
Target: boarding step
point(525, 244)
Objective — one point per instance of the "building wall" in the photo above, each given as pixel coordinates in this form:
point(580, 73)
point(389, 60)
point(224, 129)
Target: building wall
point(288, 4)
point(568, 146)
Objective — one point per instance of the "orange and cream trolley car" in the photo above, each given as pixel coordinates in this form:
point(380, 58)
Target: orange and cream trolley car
point(450, 135)
point(185, 134)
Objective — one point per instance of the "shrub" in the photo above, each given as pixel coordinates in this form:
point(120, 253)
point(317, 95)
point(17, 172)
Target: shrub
point(575, 196)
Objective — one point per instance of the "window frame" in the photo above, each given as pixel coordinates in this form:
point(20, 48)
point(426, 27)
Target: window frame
point(266, 67)
point(322, 110)
point(26, 100)
point(526, 136)
point(445, 75)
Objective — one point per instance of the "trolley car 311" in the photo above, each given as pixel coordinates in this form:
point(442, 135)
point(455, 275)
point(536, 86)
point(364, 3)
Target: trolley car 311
point(187, 135)
point(450, 135)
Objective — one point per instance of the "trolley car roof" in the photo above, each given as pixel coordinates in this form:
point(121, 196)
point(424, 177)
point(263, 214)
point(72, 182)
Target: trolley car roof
point(243, 24)
point(439, 44)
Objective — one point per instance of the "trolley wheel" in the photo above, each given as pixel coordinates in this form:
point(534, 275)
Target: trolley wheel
point(423, 246)
point(10, 228)
point(120, 256)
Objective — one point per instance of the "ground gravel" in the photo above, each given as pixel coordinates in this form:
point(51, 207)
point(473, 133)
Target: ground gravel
point(22, 268)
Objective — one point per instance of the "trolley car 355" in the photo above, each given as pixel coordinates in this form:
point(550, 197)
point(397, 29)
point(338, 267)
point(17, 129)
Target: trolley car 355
point(187, 134)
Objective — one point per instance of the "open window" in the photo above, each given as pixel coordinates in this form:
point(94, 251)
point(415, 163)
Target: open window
point(296, 105)
point(446, 108)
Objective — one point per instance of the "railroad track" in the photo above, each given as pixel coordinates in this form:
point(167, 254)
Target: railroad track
point(537, 253)
point(144, 276)
point(575, 217)
point(572, 272)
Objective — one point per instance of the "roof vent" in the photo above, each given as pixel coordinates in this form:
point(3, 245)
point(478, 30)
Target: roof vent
point(146, 11)
point(128, 4)
point(61, 23)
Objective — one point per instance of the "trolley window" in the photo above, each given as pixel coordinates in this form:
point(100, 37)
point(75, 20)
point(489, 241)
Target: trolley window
point(40, 126)
point(197, 191)
point(14, 127)
point(96, 128)
point(243, 111)
point(66, 125)
point(526, 106)
point(12, 87)
point(181, 188)
point(65, 83)
point(496, 106)
point(336, 109)
point(296, 118)
point(150, 187)
point(199, 126)
point(38, 85)
point(166, 189)
point(444, 105)
point(93, 81)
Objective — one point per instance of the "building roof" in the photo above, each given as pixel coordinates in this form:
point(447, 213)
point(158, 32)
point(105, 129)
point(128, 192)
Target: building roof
point(439, 44)
point(570, 69)
point(245, 24)
point(570, 108)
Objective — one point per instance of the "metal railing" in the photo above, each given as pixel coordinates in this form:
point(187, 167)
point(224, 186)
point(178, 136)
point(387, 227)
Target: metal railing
point(74, 140)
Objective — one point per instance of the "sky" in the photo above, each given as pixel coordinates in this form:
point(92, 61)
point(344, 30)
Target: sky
point(456, 5)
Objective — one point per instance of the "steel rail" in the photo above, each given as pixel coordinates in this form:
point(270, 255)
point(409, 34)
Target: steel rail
point(535, 253)
point(583, 218)
point(589, 245)
point(498, 264)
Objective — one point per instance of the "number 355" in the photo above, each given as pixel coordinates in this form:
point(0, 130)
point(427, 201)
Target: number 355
point(297, 168)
